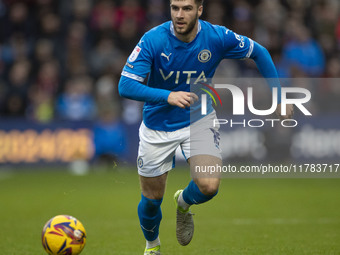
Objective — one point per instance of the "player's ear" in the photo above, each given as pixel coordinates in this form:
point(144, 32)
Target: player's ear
point(200, 10)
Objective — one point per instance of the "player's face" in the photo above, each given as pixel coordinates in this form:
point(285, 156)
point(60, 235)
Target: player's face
point(184, 15)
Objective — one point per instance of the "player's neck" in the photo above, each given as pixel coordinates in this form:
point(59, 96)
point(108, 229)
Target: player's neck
point(188, 37)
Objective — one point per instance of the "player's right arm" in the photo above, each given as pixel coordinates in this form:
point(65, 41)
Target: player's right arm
point(137, 67)
point(132, 89)
point(135, 90)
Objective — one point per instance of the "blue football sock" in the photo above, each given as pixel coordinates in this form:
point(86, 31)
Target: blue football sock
point(192, 194)
point(150, 216)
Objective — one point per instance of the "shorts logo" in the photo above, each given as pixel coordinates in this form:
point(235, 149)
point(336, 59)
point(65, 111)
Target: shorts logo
point(140, 162)
point(204, 56)
point(135, 54)
point(216, 138)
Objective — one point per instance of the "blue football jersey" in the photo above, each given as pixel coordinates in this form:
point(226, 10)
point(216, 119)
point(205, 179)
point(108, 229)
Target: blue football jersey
point(172, 64)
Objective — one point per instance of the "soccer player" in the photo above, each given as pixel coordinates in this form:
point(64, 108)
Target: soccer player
point(170, 55)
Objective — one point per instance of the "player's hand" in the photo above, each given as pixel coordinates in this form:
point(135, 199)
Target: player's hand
point(182, 99)
point(289, 111)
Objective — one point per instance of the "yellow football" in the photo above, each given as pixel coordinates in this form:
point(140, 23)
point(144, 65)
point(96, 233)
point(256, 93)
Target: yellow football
point(63, 235)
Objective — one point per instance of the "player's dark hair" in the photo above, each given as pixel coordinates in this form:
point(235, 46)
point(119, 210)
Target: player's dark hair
point(198, 2)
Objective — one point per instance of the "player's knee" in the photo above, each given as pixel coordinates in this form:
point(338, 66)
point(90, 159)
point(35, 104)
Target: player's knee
point(157, 195)
point(208, 186)
point(209, 189)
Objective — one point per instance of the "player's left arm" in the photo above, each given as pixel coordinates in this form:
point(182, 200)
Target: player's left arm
point(241, 47)
point(267, 68)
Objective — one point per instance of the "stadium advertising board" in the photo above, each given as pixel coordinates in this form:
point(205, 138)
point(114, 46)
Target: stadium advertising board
point(25, 142)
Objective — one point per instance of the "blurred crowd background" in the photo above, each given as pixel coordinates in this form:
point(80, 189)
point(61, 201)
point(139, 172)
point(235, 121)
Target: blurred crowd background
point(61, 60)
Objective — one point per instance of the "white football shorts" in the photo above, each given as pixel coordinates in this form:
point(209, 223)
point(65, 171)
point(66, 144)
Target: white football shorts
point(156, 153)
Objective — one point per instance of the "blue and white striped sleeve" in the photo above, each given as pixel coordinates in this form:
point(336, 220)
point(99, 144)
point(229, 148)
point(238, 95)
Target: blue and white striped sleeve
point(236, 46)
point(139, 63)
point(134, 73)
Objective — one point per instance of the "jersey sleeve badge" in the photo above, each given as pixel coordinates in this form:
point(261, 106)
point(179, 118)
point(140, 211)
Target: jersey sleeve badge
point(135, 54)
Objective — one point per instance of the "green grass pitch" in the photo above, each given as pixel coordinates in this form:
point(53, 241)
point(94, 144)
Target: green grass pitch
point(249, 216)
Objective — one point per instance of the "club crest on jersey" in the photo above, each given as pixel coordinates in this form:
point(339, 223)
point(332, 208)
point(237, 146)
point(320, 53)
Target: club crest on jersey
point(135, 54)
point(204, 56)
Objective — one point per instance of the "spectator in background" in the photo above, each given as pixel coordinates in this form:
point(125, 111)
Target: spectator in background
point(49, 43)
point(329, 92)
point(270, 16)
point(325, 16)
point(47, 79)
point(3, 93)
point(107, 96)
point(302, 55)
point(216, 12)
point(155, 13)
point(131, 10)
point(110, 138)
point(19, 20)
point(333, 68)
point(44, 51)
point(76, 102)
point(130, 24)
point(16, 100)
point(105, 58)
point(41, 106)
point(104, 18)
point(15, 48)
point(106, 91)
point(81, 11)
point(76, 50)
point(242, 18)
point(337, 34)
point(50, 27)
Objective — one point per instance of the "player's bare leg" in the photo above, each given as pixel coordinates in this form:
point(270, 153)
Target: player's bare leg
point(153, 187)
point(149, 210)
point(203, 188)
